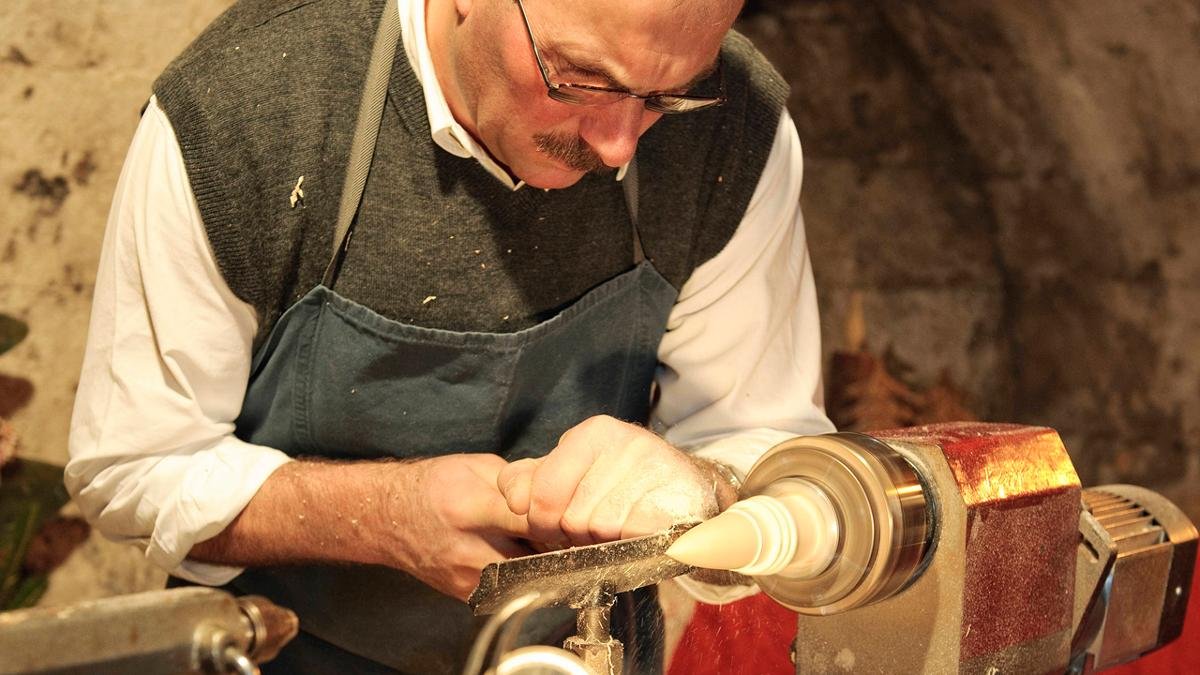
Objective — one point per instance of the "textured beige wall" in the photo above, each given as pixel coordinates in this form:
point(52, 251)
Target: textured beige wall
point(73, 76)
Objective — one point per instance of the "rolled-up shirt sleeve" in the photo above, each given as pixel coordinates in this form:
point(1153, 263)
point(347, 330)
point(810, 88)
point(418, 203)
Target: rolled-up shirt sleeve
point(741, 360)
point(153, 458)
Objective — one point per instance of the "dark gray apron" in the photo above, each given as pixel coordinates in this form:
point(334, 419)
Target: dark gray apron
point(336, 379)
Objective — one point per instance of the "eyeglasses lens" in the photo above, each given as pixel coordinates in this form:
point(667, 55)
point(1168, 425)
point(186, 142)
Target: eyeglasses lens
point(671, 105)
point(662, 103)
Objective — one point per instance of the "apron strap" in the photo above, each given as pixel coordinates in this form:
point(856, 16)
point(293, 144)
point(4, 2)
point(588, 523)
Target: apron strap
point(366, 132)
point(629, 184)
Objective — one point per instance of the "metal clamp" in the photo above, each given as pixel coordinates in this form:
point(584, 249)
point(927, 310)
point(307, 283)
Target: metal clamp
point(219, 653)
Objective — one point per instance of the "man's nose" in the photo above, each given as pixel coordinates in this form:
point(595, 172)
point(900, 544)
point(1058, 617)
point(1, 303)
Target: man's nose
point(612, 130)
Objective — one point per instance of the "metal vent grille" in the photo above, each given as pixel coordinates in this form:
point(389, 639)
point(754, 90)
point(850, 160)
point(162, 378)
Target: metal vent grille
point(1130, 525)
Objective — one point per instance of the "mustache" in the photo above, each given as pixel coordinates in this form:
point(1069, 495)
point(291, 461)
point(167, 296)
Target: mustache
point(570, 150)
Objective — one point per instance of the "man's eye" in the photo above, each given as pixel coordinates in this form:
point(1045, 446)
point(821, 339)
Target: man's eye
point(581, 75)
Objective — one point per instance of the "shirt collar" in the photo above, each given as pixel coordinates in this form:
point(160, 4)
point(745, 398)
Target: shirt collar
point(446, 132)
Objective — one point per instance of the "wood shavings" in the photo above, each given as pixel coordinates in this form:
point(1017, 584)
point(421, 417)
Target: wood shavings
point(298, 193)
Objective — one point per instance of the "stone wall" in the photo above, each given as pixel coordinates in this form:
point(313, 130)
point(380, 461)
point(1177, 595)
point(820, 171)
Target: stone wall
point(1012, 187)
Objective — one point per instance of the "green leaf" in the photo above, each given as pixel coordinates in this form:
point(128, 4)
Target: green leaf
point(15, 535)
point(28, 480)
point(28, 592)
point(12, 331)
point(31, 493)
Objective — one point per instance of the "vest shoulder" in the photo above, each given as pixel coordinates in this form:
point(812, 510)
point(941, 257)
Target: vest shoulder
point(749, 74)
point(251, 37)
point(266, 97)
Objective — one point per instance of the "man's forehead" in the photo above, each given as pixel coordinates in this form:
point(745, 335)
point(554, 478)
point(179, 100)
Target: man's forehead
point(691, 13)
point(612, 72)
point(631, 40)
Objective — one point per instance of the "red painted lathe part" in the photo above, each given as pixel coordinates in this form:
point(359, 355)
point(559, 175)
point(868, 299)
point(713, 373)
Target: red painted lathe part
point(753, 637)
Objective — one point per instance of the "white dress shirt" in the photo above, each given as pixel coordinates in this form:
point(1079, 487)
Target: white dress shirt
point(153, 455)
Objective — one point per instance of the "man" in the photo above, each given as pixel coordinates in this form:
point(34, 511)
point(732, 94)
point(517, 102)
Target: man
point(489, 335)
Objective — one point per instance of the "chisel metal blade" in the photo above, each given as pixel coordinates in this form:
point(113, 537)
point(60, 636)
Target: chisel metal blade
point(571, 576)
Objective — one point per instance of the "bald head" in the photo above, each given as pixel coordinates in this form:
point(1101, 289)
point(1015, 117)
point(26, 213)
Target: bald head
point(711, 7)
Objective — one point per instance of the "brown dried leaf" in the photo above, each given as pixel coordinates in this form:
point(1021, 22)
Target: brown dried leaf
point(945, 402)
point(864, 396)
point(8, 442)
point(15, 394)
point(897, 366)
point(54, 543)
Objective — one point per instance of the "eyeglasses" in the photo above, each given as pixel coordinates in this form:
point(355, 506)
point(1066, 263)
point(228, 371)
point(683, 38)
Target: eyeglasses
point(590, 95)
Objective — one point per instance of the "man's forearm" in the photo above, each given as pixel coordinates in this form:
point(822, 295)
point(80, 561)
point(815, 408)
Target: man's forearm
point(316, 511)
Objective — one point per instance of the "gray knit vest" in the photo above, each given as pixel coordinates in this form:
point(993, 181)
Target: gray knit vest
point(269, 92)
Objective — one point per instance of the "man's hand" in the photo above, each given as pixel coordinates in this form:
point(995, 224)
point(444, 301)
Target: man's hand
point(609, 480)
point(455, 522)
